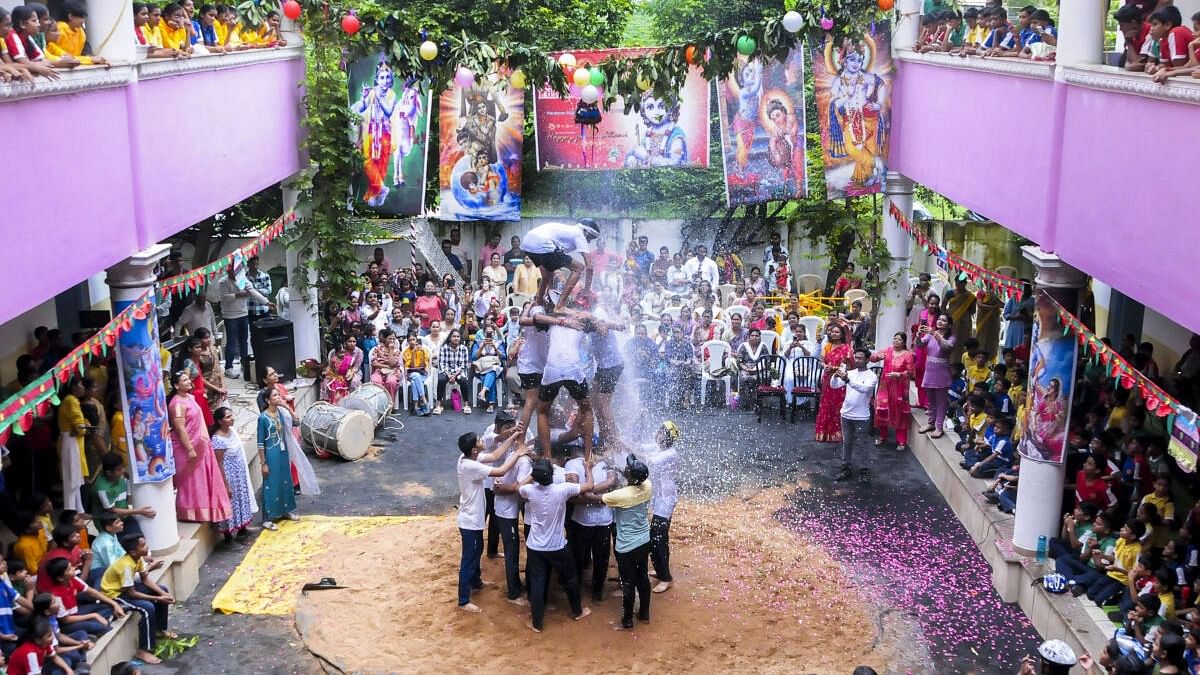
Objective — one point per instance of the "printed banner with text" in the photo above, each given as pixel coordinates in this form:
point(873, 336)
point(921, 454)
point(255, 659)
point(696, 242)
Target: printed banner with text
point(657, 135)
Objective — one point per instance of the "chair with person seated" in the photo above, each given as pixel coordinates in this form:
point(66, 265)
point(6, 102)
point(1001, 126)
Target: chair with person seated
point(855, 294)
point(715, 352)
point(738, 309)
point(725, 294)
point(812, 327)
point(807, 283)
point(769, 371)
point(803, 382)
point(405, 392)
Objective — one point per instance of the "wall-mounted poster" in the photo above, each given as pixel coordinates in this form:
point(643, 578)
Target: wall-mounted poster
point(1184, 442)
point(1052, 359)
point(657, 135)
point(147, 431)
point(390, 125)
point(853, 85)
point(762, 130)
point(479, 163)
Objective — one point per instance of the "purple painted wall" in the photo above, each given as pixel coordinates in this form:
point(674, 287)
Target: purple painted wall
point(67, 209)
point(982, 139)
point(194, 144)
point(238, 132)
point(1051, 162)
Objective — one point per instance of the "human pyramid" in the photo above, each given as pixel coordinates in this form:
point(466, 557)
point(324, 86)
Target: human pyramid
point(574, 474)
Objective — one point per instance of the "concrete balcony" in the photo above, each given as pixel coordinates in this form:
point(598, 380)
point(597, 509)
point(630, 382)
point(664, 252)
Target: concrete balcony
point(107, 161)
point(1091, 162)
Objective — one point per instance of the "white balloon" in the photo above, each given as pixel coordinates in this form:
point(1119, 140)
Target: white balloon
point(589, 94)
point(792, 22)
point(566, 59)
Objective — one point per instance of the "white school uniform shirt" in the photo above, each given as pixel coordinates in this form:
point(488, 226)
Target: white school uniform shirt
point(507, 505)
point(663, 464)
point(707, 270)
point(489, 445)
point(532, 357)
point(590, 515)
point(472, 506)
point(568, 358)
point(859, 389)
point(546, 514)
point(606, 346)
point(551, 237)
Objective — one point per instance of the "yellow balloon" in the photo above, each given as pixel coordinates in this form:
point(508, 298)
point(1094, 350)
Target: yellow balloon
point(517, 79)
point(583, 77)
point(644, 83)
point(429, 50)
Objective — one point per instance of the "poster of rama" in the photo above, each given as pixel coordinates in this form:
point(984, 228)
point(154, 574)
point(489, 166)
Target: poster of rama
point(853, 85)
point(389, 122)
point(479, 162)
point(762, 130)
point(656, 135)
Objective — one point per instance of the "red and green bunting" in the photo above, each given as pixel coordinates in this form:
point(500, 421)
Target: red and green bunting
point(17, 413)
point(1157, 401)
point(193, 281)
point(1000, 284)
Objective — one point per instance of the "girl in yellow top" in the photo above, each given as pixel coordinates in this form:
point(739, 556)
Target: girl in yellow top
point(173, 29)
point(72, 38)
point(72, 427)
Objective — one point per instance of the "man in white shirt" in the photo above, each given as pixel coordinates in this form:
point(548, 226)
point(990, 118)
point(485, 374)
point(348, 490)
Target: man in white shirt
point(552, 246)
point(568, 361)
point(473, 468)
point(856, 414)
point(546, 513)
point(664, 463)
point(592, 520)
point(531, 360)
point(768, 256)
point(704, 266)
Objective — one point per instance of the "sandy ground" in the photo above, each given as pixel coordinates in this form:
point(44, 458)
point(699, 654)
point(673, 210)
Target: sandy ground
point(750, 598)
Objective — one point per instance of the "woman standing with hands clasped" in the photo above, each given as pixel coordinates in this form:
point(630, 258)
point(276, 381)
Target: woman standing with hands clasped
point(277, 451)
point(200, 492)
point(891, 400)
point(939, 342)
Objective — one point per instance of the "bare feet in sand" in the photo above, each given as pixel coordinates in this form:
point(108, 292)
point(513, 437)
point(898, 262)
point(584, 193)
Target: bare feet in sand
point(471, 607)
point(519, 602)
point(663, 586)
point(529, 625)
point(147, 658)
point(586, 612)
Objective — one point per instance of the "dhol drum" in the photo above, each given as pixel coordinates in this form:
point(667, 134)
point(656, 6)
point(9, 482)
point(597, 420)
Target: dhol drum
point(345, 433)
point(371, 399)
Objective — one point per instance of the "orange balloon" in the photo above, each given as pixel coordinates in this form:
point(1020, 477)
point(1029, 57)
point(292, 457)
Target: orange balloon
point(886, 5)
point(690, 54)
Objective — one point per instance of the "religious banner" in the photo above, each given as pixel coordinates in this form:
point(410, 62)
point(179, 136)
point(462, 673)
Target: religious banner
point(479, 163)
point(390, 125)
point(1184, 443)
point(762, 130)
point(147, 430)
point(1052, 360)
point(853, 85)
point(656, 135)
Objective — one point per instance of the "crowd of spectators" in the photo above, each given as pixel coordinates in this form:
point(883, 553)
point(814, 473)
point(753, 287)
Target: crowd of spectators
point(36, 43)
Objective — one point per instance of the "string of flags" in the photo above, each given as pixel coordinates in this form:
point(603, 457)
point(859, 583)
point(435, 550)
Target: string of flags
point(195, 280)
point(1000, 284)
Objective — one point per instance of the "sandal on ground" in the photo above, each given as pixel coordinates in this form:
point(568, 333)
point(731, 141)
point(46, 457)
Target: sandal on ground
point(901, 448)
point(466, 410)
point(878, 442)
point(925, 430)
point(937, 434)
point(269, 525)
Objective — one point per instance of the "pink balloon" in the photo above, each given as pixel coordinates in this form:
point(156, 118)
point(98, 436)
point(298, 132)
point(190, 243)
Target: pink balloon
point(826, 23)
point(464, 77)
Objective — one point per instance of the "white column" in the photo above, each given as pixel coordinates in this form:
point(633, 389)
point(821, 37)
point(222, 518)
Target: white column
point(908, 24)
point(302, 309)
point(1039, 501)
point(110, 30)
point(890, 318)
point(127, 281)
point(1081, 33)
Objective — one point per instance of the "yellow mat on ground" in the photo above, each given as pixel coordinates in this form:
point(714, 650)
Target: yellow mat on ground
point(269, 578)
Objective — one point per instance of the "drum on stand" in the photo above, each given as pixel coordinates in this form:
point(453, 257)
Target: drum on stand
point(371, 399)
point(345, 433)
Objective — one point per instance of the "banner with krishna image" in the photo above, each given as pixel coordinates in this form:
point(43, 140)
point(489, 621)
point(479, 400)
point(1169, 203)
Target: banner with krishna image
point(762, 130)
point(853, 85)
point(390, 125)
point(479, 162)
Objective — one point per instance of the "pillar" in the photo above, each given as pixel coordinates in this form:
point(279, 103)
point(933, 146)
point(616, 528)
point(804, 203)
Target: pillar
point(1081, 33)
point(890, 318)
point(110, 30)
point(302, 305)
point(1039, 501)
point(143, 400)
point(908, 24)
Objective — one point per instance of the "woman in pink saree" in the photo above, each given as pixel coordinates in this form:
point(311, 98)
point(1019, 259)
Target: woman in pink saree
point(201, 493)
point(343, 372)
point(892, 410)
point(928, 317)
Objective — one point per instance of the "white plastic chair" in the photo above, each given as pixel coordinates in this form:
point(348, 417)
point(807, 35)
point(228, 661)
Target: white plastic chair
point(651, 327)
point(1007, 271)
point(717, 350)
point(726, 293)
point(808, 283)
point(855, 294)
point(518, 300)
point(771, 339)
point(510, 288)
point(738, 309)
point(673, 311)
point(812, 327)
point(477, 383)
point(430, 389)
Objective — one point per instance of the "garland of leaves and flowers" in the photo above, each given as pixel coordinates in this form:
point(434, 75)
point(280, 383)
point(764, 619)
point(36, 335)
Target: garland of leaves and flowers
point(35, 398)
point(1123, 373)
point(195, 280)
point(1000, 284)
